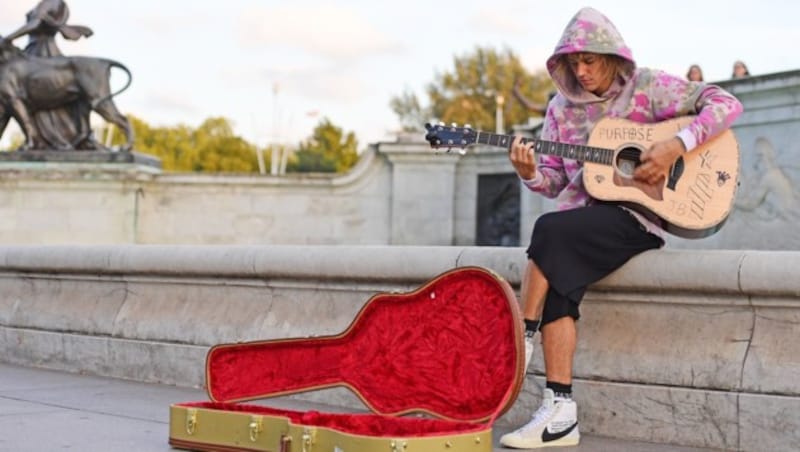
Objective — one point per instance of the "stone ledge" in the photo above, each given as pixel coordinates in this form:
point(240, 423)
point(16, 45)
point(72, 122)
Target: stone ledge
point(688, 336)
point(751, 273)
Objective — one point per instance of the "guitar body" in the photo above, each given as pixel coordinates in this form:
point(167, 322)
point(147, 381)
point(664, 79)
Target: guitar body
point(692, 200)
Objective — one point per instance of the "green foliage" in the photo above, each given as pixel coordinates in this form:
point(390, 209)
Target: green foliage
point(469, 93)
point(327, 150)
point(409, 111)
point(211, 147)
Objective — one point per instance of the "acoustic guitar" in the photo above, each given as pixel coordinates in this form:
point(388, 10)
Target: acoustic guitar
point(692, 199)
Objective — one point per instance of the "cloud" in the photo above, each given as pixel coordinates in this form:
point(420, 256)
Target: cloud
point(158, 25)
point(501, 21)
point(535, 57)
point(327, 85)
point(12, 15)
point(321, 82)
point(171, 102)
point(172, 24)
point(327, 31)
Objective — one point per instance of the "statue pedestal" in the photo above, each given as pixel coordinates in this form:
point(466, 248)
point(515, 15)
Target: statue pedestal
point(87, 157)
point(84, 162)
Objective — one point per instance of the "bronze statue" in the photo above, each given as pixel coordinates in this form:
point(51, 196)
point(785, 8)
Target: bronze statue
point(50, 95)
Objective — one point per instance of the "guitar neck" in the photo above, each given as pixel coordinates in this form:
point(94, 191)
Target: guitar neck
point(571, 151)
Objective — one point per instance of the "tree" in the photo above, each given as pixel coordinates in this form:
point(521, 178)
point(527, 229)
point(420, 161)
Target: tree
point(212, 147)
point(469, 94)
point(409, 111)
point(328, 149)
point(220, 150)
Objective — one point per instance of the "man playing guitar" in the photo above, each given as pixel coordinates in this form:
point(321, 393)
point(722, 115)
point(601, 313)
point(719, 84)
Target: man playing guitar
point(587, 239)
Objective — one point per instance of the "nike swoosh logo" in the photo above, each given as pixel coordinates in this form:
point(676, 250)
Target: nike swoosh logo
point(547, 436)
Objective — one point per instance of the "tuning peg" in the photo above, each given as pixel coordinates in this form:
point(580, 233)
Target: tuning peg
point(462, 151)
point(441, 123)
point(467, 126)
point(454, 124)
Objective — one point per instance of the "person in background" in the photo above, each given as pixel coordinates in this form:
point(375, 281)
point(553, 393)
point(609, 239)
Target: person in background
point(740, 70)
point(585, 240)
point(694, 74)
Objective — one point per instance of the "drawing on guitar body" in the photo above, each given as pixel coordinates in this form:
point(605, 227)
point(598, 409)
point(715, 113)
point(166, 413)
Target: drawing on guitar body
point(691, 200)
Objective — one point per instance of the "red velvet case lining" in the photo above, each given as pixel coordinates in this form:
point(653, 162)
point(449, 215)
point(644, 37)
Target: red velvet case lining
point(452, 348)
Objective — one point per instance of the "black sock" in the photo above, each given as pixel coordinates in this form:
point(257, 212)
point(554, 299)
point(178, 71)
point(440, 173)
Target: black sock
point(560, 390)
point(531, 327)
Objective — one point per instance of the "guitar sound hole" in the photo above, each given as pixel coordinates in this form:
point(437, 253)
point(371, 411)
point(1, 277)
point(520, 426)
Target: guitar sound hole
point(627, 160)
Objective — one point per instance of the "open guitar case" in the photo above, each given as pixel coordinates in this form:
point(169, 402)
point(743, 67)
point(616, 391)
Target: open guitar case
point(435, 367)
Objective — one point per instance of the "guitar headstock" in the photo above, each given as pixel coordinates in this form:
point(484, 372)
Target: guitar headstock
point(449, 137)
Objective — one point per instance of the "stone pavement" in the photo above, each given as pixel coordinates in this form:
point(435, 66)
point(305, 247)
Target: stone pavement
point(43, 410)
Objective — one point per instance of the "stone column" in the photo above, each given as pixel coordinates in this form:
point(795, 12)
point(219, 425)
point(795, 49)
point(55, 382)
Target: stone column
point(423, 194)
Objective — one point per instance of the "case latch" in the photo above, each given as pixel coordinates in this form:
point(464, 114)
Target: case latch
point(308, 439)
point(191, 420)
point(256, 427)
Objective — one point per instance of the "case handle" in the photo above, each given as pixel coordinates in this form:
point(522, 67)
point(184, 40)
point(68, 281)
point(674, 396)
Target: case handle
point(286, 443)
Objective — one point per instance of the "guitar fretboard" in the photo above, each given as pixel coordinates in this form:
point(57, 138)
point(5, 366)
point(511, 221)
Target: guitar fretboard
point(571, 151)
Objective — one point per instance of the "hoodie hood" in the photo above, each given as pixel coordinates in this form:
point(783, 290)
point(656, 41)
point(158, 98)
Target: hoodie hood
point(588, 31)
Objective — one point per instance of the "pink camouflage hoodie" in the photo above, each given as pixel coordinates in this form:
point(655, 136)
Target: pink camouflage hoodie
point(639, 94)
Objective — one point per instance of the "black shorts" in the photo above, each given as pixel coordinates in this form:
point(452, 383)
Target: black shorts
point(574, 248)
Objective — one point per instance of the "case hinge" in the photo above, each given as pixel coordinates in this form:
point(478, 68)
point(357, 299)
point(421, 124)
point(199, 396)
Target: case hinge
point(398, 446)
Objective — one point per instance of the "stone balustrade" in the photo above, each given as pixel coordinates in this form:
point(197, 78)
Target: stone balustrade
point(686, 347)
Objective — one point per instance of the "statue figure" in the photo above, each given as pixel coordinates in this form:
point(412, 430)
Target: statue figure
point(51, 96)
point(770, 192)
point(44, 21)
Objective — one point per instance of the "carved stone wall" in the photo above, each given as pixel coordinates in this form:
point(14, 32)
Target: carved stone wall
point(767, 206)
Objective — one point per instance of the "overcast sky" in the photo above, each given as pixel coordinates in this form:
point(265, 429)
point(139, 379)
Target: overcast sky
point(276, 67)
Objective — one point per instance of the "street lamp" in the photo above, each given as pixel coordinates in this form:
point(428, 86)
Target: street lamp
point(275, 147)
point(499, 101)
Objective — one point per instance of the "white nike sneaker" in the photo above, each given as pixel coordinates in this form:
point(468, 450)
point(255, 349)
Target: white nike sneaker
point(528, 352)
point(555, 423)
